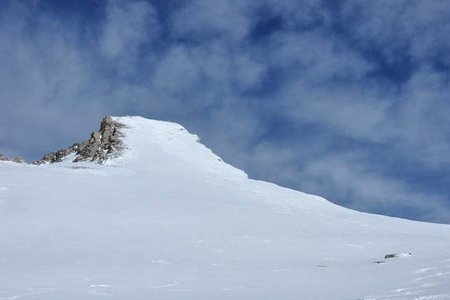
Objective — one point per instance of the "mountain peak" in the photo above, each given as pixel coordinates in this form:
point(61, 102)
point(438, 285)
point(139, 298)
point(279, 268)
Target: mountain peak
point(165, 218)
point(154, 143)
point(141, 142)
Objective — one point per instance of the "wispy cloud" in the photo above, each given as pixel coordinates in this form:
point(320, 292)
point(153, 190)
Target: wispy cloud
point(324, 97)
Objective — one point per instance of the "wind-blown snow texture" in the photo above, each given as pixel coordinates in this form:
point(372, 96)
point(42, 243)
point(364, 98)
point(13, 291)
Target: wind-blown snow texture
point(170, 220)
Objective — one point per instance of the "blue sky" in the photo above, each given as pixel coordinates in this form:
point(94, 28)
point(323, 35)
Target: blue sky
point(345, 99)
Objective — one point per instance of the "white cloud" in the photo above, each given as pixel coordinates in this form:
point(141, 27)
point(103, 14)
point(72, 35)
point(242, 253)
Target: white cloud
point(318, 56)
point(55, 84)
point(204, 19)
point(424, 117)
point(352, 177)
point(128, 26)
point(418, 27)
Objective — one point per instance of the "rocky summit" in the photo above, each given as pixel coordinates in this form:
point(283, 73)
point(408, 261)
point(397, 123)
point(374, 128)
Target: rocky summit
point(103, 144)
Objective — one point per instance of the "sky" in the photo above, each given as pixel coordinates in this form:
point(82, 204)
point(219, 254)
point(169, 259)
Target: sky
point(349, 100)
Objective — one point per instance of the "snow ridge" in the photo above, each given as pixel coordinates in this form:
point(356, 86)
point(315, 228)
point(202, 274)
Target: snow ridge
point(154, 143)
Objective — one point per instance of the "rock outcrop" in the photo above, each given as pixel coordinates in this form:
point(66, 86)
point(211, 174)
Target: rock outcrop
point(18, 160)
point(102, 145)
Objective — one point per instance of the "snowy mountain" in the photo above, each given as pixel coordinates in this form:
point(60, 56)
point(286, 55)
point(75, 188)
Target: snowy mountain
point(168, 219)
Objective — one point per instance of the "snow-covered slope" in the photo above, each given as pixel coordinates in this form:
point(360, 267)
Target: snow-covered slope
point(170, 220)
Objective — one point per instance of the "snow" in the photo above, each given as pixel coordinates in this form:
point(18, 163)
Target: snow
point(170, 220)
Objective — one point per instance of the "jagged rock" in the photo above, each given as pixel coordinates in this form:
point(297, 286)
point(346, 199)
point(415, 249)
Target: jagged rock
point(96, 136)
point(102, 145)
point(392, 255)
point(16, 159)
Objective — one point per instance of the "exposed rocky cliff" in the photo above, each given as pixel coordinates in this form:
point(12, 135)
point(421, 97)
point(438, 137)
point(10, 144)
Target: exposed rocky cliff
point(102, 145)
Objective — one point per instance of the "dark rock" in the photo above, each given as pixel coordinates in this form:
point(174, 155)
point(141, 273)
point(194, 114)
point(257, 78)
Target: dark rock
point(102, 145)
point(392, 255)
point(16, 159)
point(96, 136)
